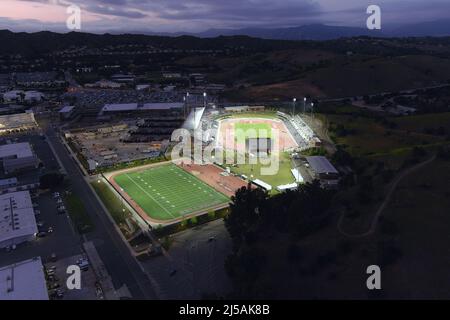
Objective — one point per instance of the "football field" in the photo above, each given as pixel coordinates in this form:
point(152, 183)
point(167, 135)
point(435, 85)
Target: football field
point(168, 192)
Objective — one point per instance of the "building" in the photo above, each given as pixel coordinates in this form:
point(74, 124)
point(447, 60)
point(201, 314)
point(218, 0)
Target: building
point(123, 78)
point(322, 169)
point(23, 281)
point(17, 220)
point(236, 109)
point(8, 183)
point(33, 96)
point(13, 96)
point(17, 121)
point(104, 84)
point(66, 112)
point(17, 156)
point(146, 108)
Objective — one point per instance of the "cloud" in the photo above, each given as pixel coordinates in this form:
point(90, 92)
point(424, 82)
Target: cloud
point(198, 15)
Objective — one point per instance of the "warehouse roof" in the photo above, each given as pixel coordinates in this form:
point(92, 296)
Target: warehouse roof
point(16, 216)
point(23, 281)
point(321, 165)
point(20, 150)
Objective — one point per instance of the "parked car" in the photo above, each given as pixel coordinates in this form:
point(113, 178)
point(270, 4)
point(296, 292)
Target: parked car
point(41, 234)
point(83, 264)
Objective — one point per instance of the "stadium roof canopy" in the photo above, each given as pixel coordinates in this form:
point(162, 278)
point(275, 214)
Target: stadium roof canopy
point(321, 165)
point(23, 281)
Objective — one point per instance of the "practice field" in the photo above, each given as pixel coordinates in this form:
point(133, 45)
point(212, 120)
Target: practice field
point(167, 192)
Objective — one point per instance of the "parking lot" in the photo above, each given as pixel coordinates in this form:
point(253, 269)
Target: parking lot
point(57, 237)
point(56, 274)
point(194, 267)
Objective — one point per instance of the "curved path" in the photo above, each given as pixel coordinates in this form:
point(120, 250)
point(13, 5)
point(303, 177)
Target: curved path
point(380, 210)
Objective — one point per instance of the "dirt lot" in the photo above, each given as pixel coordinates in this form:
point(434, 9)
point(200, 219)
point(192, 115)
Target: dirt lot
point(211, 174)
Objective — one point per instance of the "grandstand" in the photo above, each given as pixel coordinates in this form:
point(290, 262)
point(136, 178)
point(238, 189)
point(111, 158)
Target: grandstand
point(302, 133)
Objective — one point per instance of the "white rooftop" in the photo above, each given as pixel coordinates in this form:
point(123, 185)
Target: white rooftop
point(120, 107)
point(66, 109)
point(262, 184)
point(20, 150)
point(23, 281)
point(16, 216)
point(290, 186)
point(146, 106)
point(162, 106)
point(8, 181)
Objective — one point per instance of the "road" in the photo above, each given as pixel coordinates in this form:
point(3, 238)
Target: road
point(386, 200)
point(121, 265)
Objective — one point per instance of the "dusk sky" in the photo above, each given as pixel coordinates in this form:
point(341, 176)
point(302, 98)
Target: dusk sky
point(199, 15)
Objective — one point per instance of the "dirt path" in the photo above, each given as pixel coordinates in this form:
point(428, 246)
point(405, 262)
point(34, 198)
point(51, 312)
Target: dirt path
point(386, 200)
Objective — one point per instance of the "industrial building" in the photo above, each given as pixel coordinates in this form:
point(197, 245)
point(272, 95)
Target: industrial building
point(322, 169)
point(18, 121)
point(24, 280)
point(17, 156)
point(66, 112)
point(8, 183)
point(17, 219)
point(146, 108)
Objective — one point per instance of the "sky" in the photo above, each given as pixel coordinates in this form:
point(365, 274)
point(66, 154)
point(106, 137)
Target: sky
point(199, 15)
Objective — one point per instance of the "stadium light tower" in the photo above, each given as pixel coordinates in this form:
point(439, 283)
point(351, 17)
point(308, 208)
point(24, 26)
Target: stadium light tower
point(184, 107)
point(186, 104)
point(293, 106)
point(204, 99)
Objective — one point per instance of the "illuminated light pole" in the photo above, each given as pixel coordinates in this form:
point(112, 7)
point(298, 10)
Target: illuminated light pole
point(184, 107)
point(204, 99)
point(304, 104)
point(312, 109)
point(186, 104)
point(293, 106)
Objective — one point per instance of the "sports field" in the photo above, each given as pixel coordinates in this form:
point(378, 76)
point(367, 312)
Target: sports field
point(168, 192)
point(243, 130)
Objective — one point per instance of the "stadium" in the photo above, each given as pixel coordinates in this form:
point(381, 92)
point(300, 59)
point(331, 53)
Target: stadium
point(258, 134)
point(169, 192)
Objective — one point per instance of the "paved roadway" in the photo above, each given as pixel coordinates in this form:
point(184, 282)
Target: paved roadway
point(119, 262)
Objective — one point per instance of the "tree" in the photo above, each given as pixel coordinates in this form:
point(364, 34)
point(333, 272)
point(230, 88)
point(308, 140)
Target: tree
point(51, 180)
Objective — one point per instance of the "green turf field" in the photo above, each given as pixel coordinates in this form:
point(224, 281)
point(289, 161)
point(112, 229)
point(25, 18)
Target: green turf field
point(249, 130)
point(284, 175)
point(166, 192)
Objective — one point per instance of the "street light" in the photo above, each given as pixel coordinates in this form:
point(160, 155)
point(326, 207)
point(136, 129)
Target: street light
point(304, 104)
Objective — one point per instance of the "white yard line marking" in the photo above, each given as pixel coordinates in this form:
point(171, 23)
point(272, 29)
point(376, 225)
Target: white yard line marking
point(131, 179)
